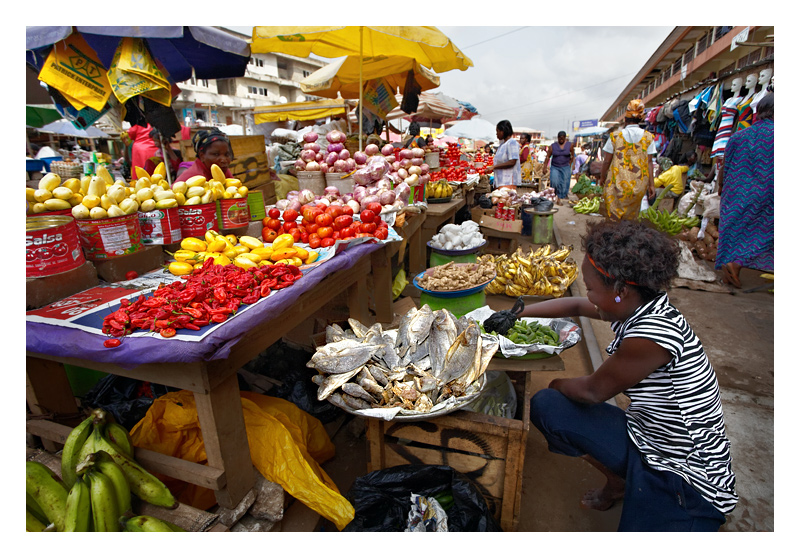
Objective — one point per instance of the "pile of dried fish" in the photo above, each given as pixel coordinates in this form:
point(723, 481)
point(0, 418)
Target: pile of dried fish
point(430, 358)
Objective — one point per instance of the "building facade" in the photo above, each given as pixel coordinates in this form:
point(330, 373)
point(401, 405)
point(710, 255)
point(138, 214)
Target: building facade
point(694, 57)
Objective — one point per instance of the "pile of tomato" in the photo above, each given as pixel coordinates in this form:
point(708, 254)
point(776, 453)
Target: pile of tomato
point(211, 293)
point(452, 156)
point(322, 226)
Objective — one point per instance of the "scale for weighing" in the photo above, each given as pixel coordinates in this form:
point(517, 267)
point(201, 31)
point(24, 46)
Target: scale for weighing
point(542, 226)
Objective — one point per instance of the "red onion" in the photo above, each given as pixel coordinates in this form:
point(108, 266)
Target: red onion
point(414, 170)
point(387, 150)
point(332, 191)
point(372, 149)
point(344, 154)
point(323, 201)
point(294, 204)
point(312, 146)
point(323, 166)
point(335, 136)
point(361, 177)
point(370, 199)
point(359, 192)
point(310, 137)
point(417, 161)
point(312, 166)
point(402, 173)
point(300, 164)
point(391, 158)
point(292, 195)
point(402, 192)
point(417, 152)
point(412, 180)
point(335, 147)
point(308, 155)
point(384, 183)
point(406, 154)
point(387, 197)
point(340, 166)
point(351, 165)
point(282, 204)
point(360, 157)
point(305, 196)
point(425, 168)
point(405, 163)
point(318, 158)
point(395, 165)
point(331, 158)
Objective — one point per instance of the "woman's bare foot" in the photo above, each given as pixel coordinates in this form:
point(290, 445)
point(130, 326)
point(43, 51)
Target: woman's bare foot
point(601, 499)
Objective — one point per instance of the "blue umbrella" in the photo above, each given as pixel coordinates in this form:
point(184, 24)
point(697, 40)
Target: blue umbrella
point(213, 54)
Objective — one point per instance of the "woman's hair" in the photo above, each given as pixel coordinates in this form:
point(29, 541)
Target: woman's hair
point(632, 254)
point(525, 135)
point(413, 128)
point(766, 107)
point(203, 138)
point(561, 133)
point(505, 127)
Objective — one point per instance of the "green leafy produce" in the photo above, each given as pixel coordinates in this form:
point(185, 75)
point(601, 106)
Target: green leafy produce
point(584, 185)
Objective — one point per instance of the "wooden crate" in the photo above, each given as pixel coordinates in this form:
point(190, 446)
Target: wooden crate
point(499, 242)
point(489, 450)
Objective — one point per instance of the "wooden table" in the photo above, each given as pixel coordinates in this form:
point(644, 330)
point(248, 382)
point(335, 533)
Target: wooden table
point(490, 450)
point(437, 215)
point(214, 383)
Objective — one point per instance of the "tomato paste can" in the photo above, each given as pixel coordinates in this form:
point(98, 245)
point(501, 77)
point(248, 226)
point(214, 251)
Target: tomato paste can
point(498, 212)
point(233, 213)
point(160, 226)
point(196, 220)
point(52, 245)
point(103, 239)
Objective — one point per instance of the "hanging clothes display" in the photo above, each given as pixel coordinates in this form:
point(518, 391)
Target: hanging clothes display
point(726, 126)
point(744, 114)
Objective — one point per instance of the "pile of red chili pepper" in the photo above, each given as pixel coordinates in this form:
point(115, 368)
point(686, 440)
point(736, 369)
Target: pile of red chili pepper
point(211, 293)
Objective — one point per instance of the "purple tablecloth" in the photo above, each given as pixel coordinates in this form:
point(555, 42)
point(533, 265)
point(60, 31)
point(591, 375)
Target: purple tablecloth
point(134, 351)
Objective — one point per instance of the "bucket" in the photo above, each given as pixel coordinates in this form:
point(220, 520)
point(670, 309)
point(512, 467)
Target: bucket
point(441, 259)
point(542, 226)
point(196, 220)
point(457, 305)
point(103, 239)
point(233, 213)
point(311, 180)
point(338, 179)
point(160, 226)
point(52, 245)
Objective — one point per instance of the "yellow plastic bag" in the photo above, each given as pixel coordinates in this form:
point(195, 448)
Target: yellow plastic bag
point(73, 68)
point(134, 72)
point(286, 446)
point(399, 283)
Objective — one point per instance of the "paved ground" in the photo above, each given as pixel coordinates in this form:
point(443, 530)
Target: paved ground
point(737, 332)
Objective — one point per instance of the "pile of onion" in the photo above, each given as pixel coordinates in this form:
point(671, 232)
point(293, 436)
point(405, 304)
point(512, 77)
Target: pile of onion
point(334, 158)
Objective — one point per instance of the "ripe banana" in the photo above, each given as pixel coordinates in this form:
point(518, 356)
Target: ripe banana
point(72, 449)
point(47, 490)
point(118, 434)
point(105, 510)
point(32, 523)
point(78, 508)
point(106, 465)
point(143, 484)
point(149, 524)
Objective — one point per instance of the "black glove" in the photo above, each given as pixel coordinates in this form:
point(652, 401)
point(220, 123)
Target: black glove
point(500, 322)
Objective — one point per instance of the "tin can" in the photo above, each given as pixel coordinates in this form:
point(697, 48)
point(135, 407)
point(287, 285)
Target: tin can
point(498, 212)
point(196, 220)
point(511, 214)
point(52, 245)
point(160, 226)
point(233, 213)
point(103, 239)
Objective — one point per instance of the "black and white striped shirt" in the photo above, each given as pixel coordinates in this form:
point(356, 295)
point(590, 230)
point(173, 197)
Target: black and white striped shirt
point(675, 415)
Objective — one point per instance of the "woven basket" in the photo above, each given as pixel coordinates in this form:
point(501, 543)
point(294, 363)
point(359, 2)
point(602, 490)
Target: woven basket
point(66, 169)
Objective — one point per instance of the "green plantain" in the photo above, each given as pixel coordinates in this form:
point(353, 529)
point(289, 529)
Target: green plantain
point(72, 449)
point(34, 508)
point(105, 511)
point(149, 524)
point(79, 508)
point(48, 491)
point(32, 523)
point(118, 434)
point(106, 465)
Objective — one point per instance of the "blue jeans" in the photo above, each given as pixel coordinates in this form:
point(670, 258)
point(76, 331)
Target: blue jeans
point(559, 180)
point(654, 500)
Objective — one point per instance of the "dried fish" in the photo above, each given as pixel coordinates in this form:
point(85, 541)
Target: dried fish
point(461, 355)
point(358, 328)
point(355, 402)
point(334, 333)
point(378, 374)
point(357, 391)
point(342, 356)
point(442, 336)
point(334, 381)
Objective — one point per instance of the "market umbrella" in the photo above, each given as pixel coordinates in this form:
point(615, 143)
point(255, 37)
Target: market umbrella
point(65, 128)
point(475, 128)
point(429, 110)
point(308, 110)
point(37, 116)
point(427, 45)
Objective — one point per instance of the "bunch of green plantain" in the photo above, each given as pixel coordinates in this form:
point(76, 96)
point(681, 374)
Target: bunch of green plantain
point(99, 481)
point(587, 205)
point(667, 222)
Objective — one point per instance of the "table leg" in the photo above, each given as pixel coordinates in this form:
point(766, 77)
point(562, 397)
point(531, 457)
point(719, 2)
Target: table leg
point(225, 438)
point(382, 279)
point(49, 394)
point(416, 254)
point(357, 297)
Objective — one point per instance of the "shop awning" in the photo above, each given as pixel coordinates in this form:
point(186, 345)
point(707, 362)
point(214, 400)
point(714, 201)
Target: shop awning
point(309, 110)
point(593, 131)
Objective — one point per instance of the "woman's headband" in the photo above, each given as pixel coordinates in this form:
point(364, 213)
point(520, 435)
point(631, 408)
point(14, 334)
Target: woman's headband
point(606, 274)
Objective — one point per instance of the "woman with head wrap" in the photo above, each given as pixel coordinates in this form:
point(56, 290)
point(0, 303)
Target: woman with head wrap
point(627, 172)
point(213, 148)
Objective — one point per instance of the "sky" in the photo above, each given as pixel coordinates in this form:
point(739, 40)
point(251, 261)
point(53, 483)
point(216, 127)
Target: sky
point(545, 77)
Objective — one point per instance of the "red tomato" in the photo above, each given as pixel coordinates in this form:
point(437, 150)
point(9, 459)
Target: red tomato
point(131, 275)
point(367, 216)
point(268, 234)
point(274, 213)
point(312, 228)
point(314, 240)
point(342, 221)
point(375, 207)
point(335, 210)
point(347, 210)
point(303, 236)
point(325, 232)
point(295, 232)
point(369, 228)
point(324, 220)
point(356, 227)
point(290, 215)
point(271, 223)
point(382, 233)
point(289, 225)
point(346, 232)
point(325, 242)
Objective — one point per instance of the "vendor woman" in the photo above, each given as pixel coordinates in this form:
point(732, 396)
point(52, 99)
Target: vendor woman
point(506, 168)
point(212, 147)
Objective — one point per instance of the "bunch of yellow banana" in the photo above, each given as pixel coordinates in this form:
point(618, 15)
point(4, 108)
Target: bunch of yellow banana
point(439, 189)
point(538, 272)
point(245, 252)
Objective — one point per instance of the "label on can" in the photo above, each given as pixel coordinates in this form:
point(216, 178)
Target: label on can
point(102, 239)
point(52, 246)
point(196, 220)
point(233, 213)
point(498, 212)
point(160, 226)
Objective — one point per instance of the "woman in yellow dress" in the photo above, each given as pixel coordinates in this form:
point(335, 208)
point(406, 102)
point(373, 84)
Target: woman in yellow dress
point(627, 171)
point(525, 157)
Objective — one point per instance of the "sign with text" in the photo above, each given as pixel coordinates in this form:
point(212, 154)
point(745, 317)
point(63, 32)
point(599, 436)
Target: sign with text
point(740, 37)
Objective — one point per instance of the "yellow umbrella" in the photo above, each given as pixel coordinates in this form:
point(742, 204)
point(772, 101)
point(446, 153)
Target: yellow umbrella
point(311, 110)
point(342, 77)
point(427, 45)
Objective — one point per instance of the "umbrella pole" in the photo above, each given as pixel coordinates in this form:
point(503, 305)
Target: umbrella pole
point(360, 84)
point(166, 158)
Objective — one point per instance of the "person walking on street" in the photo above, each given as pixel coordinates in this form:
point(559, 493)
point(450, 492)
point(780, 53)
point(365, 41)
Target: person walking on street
point(562, 153)
point(627, 171)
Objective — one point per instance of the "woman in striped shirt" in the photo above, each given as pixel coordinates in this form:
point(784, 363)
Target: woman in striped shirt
point(666, 456)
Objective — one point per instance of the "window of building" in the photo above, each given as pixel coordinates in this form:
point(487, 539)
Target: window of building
point(754, 56)
point(688, 56)
point(676, 66)
point(306, 73)
point(702, 44)
point(722, 31)
point(256, 62)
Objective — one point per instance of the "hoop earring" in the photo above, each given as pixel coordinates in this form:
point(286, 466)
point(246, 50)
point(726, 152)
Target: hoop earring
point(617, 299)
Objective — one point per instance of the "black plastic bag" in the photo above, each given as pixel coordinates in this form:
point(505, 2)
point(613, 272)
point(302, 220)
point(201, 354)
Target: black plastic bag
point(382, 499)
point(126, 399)
point(500, 322)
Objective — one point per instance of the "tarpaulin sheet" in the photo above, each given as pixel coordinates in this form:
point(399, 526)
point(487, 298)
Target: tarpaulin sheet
point(62, 342)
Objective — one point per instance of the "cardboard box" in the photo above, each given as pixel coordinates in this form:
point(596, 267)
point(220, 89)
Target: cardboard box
point(499, 225)
point(114, 269)
point(478, 212)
